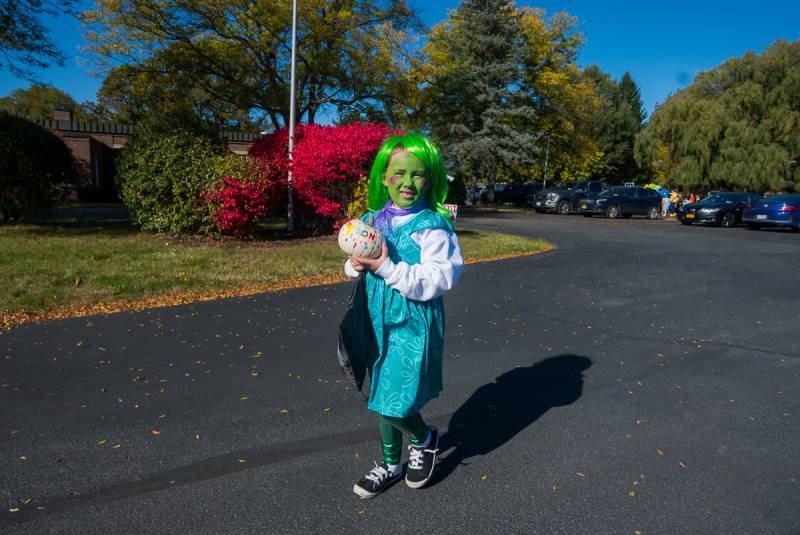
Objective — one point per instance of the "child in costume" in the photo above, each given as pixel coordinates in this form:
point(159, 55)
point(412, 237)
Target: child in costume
point(421, 259)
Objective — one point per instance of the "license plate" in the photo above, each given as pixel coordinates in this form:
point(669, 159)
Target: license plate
point(538, 203)
point(689, 216)
point(761, 216)
point(584, 206)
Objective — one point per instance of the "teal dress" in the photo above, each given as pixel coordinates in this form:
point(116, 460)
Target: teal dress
point(407, 372)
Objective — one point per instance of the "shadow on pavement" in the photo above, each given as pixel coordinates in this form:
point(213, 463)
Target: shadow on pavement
point(499, 410)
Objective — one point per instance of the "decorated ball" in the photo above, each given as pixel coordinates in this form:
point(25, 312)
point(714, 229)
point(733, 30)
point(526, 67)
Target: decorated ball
point(356, 238)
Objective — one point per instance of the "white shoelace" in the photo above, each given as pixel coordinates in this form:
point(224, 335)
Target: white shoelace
point(415, 457)
point(377, 474)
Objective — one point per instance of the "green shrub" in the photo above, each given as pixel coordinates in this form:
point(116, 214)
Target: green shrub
point(163, 177)
point(36, 167)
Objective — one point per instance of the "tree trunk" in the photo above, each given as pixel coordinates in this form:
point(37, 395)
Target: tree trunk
point(491, 176)
point(473, 185)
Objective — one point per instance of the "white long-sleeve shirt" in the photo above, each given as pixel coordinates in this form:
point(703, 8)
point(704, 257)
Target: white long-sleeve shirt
point(439, 268)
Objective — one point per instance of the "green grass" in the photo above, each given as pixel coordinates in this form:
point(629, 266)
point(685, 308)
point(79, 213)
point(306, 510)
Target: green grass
point(73, 264)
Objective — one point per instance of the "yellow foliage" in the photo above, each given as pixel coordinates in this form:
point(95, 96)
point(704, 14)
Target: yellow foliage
point(358, 205)
point(583, 166)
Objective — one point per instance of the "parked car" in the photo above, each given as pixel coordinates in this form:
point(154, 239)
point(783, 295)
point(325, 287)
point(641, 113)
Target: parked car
point(722, 208)
point(622, 201)
point(777, 211)
point(480, 193)
point(564, 197)
point(517, 194)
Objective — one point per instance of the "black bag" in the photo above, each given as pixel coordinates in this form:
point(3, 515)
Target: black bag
point(358, 347)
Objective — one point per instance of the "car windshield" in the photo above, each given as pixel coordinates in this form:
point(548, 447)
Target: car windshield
point(613, 191)
point(565, 185)
point(784, 198)
point(715, 199)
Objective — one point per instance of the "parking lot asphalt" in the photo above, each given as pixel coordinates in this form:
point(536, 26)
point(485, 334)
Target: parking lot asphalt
point(644, 377)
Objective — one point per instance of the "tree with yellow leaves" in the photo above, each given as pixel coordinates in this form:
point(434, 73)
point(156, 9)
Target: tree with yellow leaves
point(351, 54)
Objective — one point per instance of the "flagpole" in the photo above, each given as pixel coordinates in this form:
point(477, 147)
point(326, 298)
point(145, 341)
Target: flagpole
point(290, 206)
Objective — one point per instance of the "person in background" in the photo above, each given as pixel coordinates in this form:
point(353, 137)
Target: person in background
point(673, 202)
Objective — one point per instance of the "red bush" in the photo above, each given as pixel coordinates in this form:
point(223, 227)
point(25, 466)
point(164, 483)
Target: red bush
point(329, 161)
point(240, 202)
point(271, 156)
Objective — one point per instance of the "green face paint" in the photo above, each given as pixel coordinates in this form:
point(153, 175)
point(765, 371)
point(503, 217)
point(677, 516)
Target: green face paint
point(406, 179)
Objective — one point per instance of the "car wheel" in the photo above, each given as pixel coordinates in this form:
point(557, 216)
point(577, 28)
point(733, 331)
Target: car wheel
point(652, 213)
point(752, 226)
point(612, 212)
point(727, 220)
point(564, 208)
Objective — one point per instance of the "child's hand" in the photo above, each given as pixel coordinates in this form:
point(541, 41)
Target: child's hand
point(361, 263)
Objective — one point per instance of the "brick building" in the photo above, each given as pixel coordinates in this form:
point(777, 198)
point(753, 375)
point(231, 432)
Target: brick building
point(96, 145)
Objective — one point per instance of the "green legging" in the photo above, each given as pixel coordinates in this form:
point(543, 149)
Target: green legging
point(392, 430)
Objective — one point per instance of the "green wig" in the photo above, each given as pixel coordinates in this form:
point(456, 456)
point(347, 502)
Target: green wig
point(424, 151)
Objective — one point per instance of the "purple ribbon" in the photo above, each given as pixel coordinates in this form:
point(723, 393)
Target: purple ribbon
point(383, 219)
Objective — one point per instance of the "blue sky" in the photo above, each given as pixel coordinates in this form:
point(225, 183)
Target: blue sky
point(662, 44)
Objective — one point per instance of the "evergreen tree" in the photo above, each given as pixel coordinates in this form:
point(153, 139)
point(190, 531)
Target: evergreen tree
point(619, 121)
point(477, 103)
point(735, 127)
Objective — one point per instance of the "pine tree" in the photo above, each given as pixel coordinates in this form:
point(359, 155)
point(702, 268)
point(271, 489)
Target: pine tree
point(620, 120)
point(477, 103)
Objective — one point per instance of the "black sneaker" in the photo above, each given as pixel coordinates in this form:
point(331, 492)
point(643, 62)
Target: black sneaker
point(421, 461)
point(378, 480)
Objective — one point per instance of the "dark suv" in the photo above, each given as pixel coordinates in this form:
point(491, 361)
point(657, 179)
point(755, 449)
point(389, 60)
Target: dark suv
point(722, 208)
point(564, 197)
point(623, 201)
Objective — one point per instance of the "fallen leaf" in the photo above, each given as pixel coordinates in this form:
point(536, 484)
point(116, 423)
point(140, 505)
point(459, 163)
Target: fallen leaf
point(13, 510)
point(197, 436)
point(23, 458)
point(631, 493)
point(26, 501)
point(660, 453)
point(484, 477)
point(242, 461)
point(582, 475)
point(155, 432)
point(682, 465)
point(243, 398)
point(284, 411)
point(115, 446)
point(103, 441)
